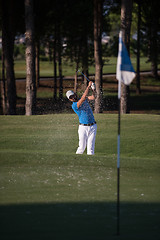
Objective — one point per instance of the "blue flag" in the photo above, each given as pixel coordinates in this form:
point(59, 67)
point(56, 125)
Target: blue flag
point(125, 72)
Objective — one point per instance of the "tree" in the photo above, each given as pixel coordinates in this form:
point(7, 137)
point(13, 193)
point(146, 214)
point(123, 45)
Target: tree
point(60, 63)
point(151, 29)
point(3, 90)
point(40, 25)
point(30, 59)
point(155, 21)
point(37, 70)
point(55, 23)
point(138, 88)
point(8, 34)
point(126, 19)
point(98, 5)
point(55, 62)
point(77, 30)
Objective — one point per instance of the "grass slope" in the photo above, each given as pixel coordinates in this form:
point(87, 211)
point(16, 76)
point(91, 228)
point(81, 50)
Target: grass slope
point(49, 192)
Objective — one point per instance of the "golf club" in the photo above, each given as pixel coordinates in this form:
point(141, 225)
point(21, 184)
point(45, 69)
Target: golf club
point(93, 84)
point(84, 75)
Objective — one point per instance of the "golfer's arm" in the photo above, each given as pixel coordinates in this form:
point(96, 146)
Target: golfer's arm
point(92, 97)
point(83, 98)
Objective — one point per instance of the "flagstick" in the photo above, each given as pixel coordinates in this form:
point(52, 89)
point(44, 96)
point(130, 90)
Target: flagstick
point(118, 158)
point(125, 73)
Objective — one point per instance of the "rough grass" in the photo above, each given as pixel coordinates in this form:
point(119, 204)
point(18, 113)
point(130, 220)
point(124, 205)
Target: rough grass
point(49, 192)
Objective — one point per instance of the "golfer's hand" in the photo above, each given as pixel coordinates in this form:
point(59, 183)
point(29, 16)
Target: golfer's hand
point(90, 83)
point(93, 87)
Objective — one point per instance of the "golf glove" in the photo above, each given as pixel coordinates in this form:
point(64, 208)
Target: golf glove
point(93, 86)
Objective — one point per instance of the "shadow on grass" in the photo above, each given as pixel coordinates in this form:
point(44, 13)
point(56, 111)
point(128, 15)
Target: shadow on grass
point(87, 221)
point(148, 102)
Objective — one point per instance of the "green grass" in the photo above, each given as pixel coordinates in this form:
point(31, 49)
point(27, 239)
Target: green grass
point(49, 192)
point(68, 68)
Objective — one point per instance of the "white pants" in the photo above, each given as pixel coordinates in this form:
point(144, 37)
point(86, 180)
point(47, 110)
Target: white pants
point(87, 137)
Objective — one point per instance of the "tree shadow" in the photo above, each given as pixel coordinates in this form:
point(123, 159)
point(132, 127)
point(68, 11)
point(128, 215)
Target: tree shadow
point(148, 102)
point(77, 221)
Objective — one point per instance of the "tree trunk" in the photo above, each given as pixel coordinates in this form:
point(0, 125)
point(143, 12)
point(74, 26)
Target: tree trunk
point(154, 37)
point(126, 19)
point(8, 26)
point(85, 58)
point(77, 57)
point(98, 4)
point(55, 71)
point(85, 82)
point(3, 91)
point(55, 62)
point(37, 64)
point(76, 77)
point(30, 59)
point(138, 88)
point(60, 65)
point(60, 77)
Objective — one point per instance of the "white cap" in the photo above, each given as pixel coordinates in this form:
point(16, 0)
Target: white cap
point(69, 93)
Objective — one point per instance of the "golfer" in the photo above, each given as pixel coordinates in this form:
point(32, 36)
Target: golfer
point(87, 124)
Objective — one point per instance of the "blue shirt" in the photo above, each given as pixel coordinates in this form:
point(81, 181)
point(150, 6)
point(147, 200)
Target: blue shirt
point(84, 112)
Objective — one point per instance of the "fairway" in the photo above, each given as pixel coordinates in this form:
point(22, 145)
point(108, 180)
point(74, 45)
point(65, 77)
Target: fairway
point(46, 67)
point(49, 192)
